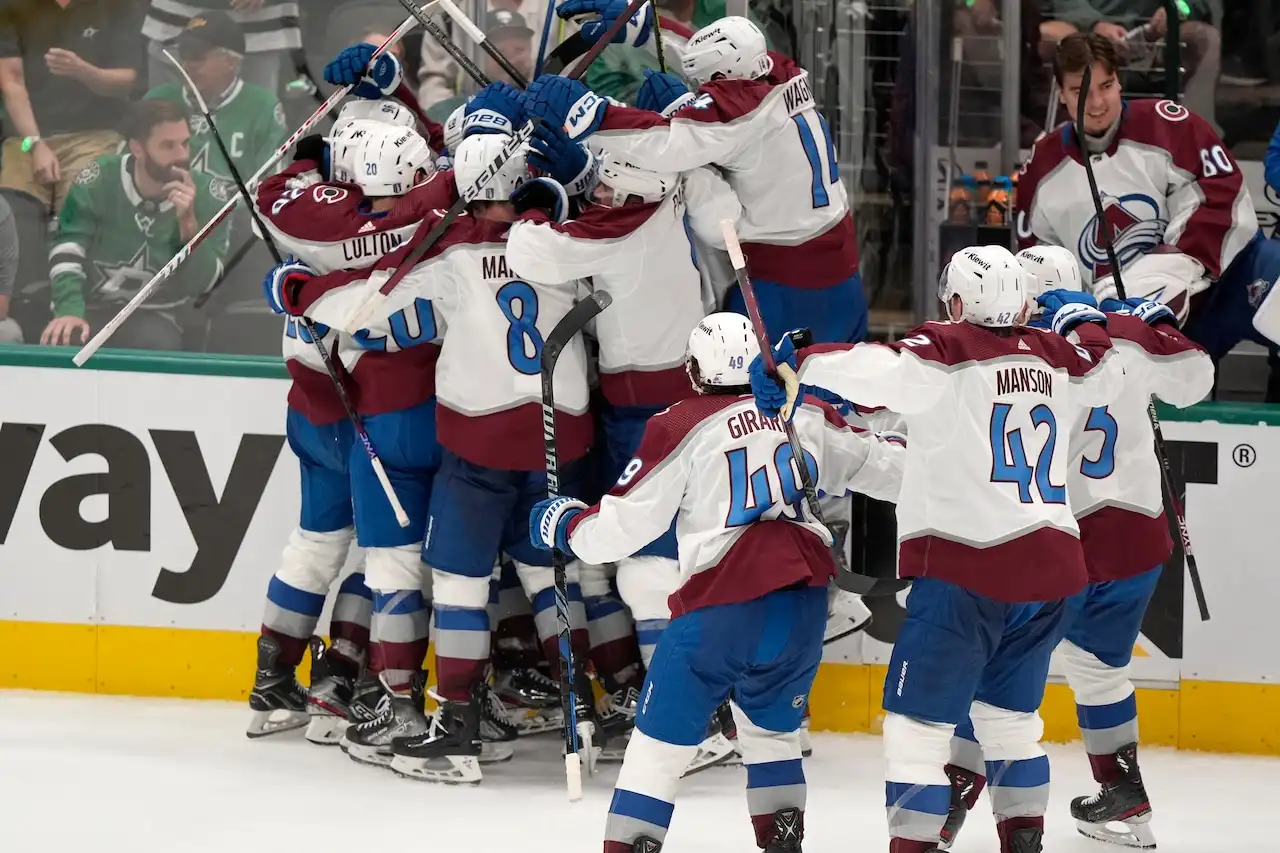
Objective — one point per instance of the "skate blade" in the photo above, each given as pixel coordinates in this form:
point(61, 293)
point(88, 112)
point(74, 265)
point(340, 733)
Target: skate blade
point(370, 755)
point(326, 730)
point(1136, 833)
point(448, 770)
point(844, 627)
point(265, 723)
point(713, 751)
point(496, 752)
point(538, 722)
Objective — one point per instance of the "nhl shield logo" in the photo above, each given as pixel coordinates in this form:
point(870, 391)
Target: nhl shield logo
point(1134, 225)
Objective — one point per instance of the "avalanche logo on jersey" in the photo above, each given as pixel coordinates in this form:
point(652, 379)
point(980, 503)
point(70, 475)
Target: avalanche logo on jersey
point(1135, 228)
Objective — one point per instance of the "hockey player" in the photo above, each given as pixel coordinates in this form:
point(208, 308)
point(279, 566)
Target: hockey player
point(379, 79)
point(489, 421)
point(983, 527)
point(1116, 498)
point(1174, 199)
point(752, 600)
point(392, 364)
point(753, 117)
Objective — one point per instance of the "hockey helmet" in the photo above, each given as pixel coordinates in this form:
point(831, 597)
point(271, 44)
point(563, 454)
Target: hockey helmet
point(385, 111)
point(732, 47)
point(627, 181)
point(990, 283)
point(1049, 268)
point(475, 156)
point(390, 160)
point(343, 145)
point(453, 128)
point(721, 348)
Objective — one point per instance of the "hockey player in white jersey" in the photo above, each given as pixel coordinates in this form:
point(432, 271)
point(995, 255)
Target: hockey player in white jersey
point(755, 119)
point(392, 366)
point(749, 612)
point(489, 423)
point(1115, 490)
point(983, 528)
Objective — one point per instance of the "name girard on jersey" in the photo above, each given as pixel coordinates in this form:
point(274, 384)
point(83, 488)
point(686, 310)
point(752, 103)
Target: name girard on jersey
point(1011, 380)
point(751, 421)
point(373, 245)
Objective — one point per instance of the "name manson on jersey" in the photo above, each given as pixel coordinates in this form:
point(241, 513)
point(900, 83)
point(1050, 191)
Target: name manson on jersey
point(1012, 380)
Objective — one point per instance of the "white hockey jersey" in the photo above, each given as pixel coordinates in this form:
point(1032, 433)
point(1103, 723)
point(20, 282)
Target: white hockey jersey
point(1166, 179)
point(776, 152)
point(989, 414)
point(1115, 489)
point(640, 254)
point(726, 474)
point(488, 378)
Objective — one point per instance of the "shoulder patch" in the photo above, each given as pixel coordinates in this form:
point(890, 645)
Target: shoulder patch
point(89, 174)
point(1172, 111)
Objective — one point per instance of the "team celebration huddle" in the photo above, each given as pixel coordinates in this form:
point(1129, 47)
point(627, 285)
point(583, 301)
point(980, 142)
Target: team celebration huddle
point(582, 385)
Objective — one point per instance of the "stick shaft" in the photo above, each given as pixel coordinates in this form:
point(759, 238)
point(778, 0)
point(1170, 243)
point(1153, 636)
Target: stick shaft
point(477, 35)
point(438, 33)
point(596, 49)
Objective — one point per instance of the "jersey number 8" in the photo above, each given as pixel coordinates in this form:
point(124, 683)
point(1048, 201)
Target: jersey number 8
point(519, 304)
point(751, 497)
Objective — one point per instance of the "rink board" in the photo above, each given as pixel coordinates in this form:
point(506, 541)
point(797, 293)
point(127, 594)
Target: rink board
point(144, 503)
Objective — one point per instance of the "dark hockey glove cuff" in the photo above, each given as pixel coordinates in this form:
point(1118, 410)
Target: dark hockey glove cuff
point(543, 194)
point(313, 147)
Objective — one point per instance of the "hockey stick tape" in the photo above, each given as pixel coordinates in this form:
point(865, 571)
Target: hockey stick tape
point(474, 32)
point(732, 245)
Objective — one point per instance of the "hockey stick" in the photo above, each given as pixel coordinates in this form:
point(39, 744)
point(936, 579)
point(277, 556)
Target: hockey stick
point(1162, 453)
point(846, 580)
point(401, 517)
point(572, 323)
point(546, 37)
point(437, 32)
point(657, 37)
point(97, 341)
point(360, 316)
point(478, 36)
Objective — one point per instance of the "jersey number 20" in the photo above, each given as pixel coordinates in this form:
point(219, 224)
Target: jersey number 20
point(750, 497)
point(1009, 455)
point(822, 176)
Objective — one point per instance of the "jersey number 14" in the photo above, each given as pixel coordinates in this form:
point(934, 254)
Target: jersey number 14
point(815, 150)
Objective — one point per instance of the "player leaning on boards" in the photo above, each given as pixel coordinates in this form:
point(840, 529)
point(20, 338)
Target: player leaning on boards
point(1116, 498)
point(1182, 222)
point(983, 527)
point(750, 611)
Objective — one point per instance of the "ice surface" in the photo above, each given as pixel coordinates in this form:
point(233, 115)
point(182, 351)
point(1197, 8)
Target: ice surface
point(90, 773)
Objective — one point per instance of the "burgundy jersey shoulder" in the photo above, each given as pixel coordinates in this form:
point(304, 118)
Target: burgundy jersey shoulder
point(1170, 126)
point(950, 344)
point(1046, 154)
point(728, 100)
point(598, 222)
point(1162, 339)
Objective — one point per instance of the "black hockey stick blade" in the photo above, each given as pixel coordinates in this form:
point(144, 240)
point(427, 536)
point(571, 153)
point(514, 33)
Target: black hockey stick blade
point(566, 53)
point(570, 324)
point(860, 584)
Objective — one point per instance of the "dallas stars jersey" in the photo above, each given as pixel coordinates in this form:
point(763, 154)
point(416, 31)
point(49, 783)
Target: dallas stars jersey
point(250, 120)
point(111, 241)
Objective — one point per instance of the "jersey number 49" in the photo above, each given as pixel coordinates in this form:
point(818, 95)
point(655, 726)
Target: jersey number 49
point(750, 497)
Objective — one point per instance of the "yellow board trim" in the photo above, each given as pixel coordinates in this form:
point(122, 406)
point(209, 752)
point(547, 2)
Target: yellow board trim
point(1213, 716)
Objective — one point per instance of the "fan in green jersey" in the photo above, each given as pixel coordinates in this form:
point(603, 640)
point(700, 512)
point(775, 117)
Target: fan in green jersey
point(125, 217)
point(250, 118)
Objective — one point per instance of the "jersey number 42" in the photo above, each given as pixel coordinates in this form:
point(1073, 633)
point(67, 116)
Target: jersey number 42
point(750, 497)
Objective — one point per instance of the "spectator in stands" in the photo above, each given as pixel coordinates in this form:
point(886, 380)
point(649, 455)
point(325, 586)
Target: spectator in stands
point(64, 68)
point(1132, 24)
point(271, 33)
point(10, 332)
point(508, 32)
point(125, 217)
point(250, 119)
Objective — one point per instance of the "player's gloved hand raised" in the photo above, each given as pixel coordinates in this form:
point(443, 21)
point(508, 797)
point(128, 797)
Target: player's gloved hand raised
point(549, 523)
point(282, 283)
point(769, 392)
point(569, 162)
point(351, 68)
point(662, 92)
point(566, 103)
point(497, 108)
point(316, 149)
point(1147, 310)
point(544, 194)
point(1069, 308)
point(636, 32)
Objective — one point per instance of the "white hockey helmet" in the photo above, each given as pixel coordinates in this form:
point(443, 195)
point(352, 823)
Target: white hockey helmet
point(990, 283)
point(732, 47)
point(720, 351)
point(385, 111)
point(627, 180)
point(390, 160)
point(453, 129)
point(475, 155)
point(1049, 268)
point(342, 148)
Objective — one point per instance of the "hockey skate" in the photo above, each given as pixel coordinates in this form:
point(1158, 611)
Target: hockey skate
point(497, 731)
point(715, 750)
point(729, 731)
point(402, 716)
point(617, 714)
point(846, 615)
point(965, 789)
point(788, 828)
point(449, 751)
point(278, 701)
point(645, 844)
point(367, 700)
point(1124, 802)
point(532, 701)
point(328, 699)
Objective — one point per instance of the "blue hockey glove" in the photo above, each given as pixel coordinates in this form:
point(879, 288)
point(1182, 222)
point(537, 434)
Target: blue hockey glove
point(636, 33)
point(1147, 310)
point(559, 156)
point(660, 91)
point(497, 108)
point(542, 194)
point(282, 283)
point(768, 391)
point(1115, 306)
point(351, 68)
point(831, 398)
point(549, 523)
point(444, 162)
point(1070, 308)
point(566, 103)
